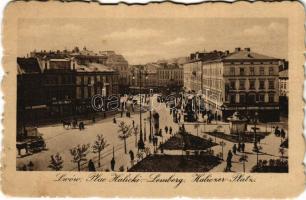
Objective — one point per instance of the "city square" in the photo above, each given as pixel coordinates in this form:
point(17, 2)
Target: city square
point(190, 110)
point(67, 138)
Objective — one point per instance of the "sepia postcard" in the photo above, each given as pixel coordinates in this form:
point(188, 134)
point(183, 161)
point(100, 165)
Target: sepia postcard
point(158, 100)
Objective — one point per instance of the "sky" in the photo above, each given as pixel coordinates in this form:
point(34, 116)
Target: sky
point(147, 40)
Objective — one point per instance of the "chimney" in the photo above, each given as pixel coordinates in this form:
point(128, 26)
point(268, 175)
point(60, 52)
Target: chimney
point(247, 49)
point(237, 49)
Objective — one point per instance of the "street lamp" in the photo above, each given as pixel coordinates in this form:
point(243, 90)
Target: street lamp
point(222, 111)
point(222, 145)
point(255, 148)
point(151, 135)
point(145, 129)
point(141, 144)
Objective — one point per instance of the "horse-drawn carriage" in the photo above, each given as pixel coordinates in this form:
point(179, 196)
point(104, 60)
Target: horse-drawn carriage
point(32, 142)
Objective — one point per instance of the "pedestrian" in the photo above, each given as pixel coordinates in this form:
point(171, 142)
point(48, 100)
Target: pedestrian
point(183, 128)
point(179, 117)
point(276, 131)
point(234, 149)
point(30, 166)
point(166, 129)
point(91, 166)
point(113, 162)
point(131, 156)
point(114, 120)
point(160, 133)
point(80, 126)
point(133, 123)
point(243, 147)
point(283, 133)
point(229, 161)
point(161, 148)
point(170, 130)
point(24, 168)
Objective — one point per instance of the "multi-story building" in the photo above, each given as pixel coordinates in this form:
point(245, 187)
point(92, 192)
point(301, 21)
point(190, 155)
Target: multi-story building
point(91, 80)
point(283, 91)
point(170, 75)
point(142, 77)
point(58, 84)
point(283, 83)
point(62, 84)
point(193, 70)
point(31, 103)
point(242, 81)
point(120, 64)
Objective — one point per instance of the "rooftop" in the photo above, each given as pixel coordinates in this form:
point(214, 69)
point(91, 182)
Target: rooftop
point(28, 65)
point(247, 54)
point(93, 67)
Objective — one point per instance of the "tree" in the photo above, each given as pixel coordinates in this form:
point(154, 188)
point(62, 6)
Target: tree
point(135, 132)
point(56, 162)
point(124, 132)
point(99, 145)
point(79, 154)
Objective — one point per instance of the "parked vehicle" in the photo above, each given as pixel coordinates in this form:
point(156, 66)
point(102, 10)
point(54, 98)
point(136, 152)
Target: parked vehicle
point(33, 142)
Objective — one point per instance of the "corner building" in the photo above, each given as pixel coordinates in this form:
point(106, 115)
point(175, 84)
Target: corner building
point(242, 81)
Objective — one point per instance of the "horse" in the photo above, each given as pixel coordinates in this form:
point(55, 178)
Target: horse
point(66, 124)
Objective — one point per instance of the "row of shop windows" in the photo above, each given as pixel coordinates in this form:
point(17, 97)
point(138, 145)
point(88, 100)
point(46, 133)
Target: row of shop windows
point(86, 92)
point(87, 80)
point(251, 98)
point(251, 71)
point(167, 74)
point(252, 82)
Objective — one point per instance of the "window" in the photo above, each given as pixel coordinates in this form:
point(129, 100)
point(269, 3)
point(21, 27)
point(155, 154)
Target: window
point(262, 71)
point(232, 98)
point(261, 84)
point(85, 80)
point(252, 84)
point(241, 71)
point(251, 99)
point(241, 84)
point(85, 92)
point(232, 71)
point(261, 97)
point(271, 72)
point(252, 71)
point(271, 98)
point(242, 98)
point(92, 91)
point(78, 93)
point(232, 84)
point(271, 84)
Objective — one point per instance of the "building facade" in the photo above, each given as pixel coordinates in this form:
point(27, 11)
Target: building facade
point(92, 80)
point(284, 91)
point(242, 81)
point(31, 103)
point(118, 63)
point(61, 87)
point(170, 76)
point(283, 83)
